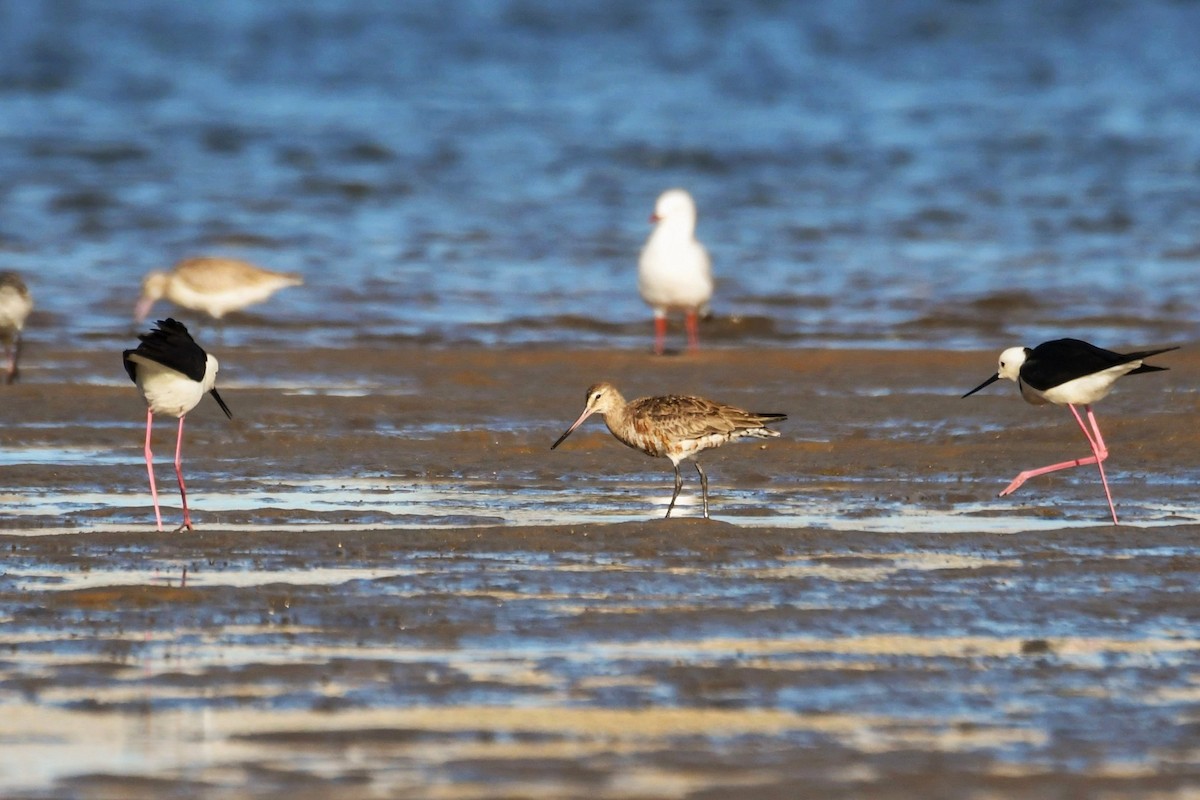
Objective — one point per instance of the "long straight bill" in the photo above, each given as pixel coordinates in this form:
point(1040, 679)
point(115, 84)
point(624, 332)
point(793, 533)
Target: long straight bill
point(988, 382)
point(221, 403)
point(587, 412)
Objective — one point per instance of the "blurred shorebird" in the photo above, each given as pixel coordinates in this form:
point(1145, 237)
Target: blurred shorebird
point(1069, 372)
point(674, 270)
point(215, 286)
point(15, 305)
point(677, 427)
point(173, 374)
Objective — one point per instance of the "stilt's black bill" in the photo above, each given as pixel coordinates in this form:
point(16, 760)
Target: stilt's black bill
point(988, 382)
point(221, 403)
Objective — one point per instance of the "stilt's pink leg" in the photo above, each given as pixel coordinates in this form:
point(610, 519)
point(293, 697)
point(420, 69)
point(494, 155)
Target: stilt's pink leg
point(150, 469)
point(187, 517)
point(1099, 453)
point(693, 331)
point(660, 335)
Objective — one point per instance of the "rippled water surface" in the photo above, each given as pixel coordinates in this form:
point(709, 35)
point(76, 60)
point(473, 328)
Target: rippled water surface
point(892, 174)
point(395, 589)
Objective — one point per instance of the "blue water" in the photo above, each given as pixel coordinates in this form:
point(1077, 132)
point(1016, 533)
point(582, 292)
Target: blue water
point(937, 172)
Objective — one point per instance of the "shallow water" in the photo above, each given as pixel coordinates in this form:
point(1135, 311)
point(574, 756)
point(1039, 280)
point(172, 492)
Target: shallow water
point(935, 172)
point(369, 606)
point(661, 661)
point(340, 503)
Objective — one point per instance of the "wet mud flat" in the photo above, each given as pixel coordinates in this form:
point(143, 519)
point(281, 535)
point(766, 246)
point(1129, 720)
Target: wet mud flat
point(395, 589)
point(634, 660)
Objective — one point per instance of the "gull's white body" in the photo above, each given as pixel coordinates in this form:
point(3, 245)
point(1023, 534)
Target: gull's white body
point(674, 270)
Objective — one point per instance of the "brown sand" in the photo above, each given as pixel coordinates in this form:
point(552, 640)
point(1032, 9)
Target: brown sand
point(374, 655)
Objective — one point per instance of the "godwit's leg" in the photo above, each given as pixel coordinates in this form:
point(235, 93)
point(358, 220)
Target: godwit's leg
point(693, 330)
point(187, 517)
point(660, 335)
point(150, 469)
point(703, 487)
point(678, 486)
point(1099, 453)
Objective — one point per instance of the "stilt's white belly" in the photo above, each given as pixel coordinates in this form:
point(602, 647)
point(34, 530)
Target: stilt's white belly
point(1088, 389)
point(167, 391)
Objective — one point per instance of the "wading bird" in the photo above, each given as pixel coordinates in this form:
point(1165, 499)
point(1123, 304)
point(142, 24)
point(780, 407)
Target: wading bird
point(1069, 372)
point(674, 271)
point(15, 305)
point(677, 427)
point(173, 373)
point(214, 286)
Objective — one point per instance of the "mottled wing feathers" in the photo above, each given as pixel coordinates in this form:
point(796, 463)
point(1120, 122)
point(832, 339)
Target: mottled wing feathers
point(687, 417)
point(1054, 363)
point(171, 345)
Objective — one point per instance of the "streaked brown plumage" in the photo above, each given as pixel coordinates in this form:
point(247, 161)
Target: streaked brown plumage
point(677, 427)
point(215, 286)
point(15, 305)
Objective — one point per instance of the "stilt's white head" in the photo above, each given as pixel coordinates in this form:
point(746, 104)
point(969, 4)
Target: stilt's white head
point(1010, 367)
point(1011, 361)
point(210, 372)
point(210, 382)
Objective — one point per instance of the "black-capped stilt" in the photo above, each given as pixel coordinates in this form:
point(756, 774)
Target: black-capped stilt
point(1069, 372)
point(173, 373)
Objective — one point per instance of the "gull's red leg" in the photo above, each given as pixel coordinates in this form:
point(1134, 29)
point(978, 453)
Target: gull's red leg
point(660, 335)
point(150, 469)
point(693, 331)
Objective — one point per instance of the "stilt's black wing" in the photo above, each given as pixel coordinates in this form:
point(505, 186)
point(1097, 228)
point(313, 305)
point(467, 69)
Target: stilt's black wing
point(171, 345)
point(1054, 363)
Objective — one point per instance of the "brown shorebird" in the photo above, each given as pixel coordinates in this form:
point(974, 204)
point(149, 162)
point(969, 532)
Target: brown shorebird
point(677, 427)
point(215, 286)
point(674, 271)
point(15, 305)
point(1070, 372)
point(173, 374)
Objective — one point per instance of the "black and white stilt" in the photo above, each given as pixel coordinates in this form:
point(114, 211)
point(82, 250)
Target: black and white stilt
point(173, 374)
point(1069, 372)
